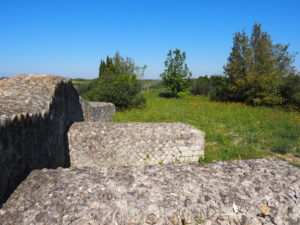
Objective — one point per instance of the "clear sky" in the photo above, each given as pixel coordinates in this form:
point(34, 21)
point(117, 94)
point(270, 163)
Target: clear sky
point(69, 38)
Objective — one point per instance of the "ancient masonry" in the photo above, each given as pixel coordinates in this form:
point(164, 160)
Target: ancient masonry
point(93, 143)
point(57, 169)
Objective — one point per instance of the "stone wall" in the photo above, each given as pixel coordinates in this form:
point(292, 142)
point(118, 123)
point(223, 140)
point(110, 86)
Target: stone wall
point(246, 192)
point(94, 143)
point(97, 111)
point(36, 112)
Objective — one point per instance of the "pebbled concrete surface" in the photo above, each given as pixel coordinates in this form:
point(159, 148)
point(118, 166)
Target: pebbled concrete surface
point(264, 191)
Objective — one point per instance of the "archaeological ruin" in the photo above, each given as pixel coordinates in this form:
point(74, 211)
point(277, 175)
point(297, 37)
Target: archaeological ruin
point(62, 161)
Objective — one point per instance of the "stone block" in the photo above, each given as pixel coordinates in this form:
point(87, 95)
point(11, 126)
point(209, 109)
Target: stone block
point(238, 192)
point(95, 144)
point(97, 111)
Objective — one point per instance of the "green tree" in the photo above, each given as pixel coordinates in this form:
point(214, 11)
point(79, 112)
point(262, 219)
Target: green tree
point(116, 65)
point(256, 68)
point(238, 68)
point(118, 83)
point(265, 78)
point(176, 75)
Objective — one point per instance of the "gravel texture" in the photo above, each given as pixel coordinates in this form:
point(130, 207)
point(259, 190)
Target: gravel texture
point(264, 191)
point(94, 143)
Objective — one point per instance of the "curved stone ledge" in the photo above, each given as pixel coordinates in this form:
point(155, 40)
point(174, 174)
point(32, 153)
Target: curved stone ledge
point(264, 191)
point(94, 143)
point(97, 111)
point(35, 114)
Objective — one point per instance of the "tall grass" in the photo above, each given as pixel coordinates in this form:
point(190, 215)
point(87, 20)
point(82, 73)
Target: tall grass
point(233, 130)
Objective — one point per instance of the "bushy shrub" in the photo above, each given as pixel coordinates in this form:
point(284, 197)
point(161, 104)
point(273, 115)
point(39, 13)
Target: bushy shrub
point(216, 87)
point(219, 88)
point(201, 86)
point(118, 83)
point(124, 92)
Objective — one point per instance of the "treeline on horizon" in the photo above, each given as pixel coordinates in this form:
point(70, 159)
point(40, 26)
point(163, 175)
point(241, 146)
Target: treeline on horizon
point(257, 72)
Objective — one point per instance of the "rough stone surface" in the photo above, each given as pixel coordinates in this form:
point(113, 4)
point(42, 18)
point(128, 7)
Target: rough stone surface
point(95, 143)
point(265, 191)
point(35, 114)
point(97, 111)
point(26, 94)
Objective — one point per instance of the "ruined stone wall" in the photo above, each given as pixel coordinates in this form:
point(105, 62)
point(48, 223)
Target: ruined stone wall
point(94, 143)
point(97, 111)
point(35, 114)
point(249, 192)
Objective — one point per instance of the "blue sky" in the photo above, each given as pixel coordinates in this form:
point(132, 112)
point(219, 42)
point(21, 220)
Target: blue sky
point(69, 38)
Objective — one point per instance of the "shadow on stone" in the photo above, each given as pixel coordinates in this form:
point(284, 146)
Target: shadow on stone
point(35, 115)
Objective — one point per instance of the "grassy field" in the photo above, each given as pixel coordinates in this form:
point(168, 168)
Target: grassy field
point(233, 130)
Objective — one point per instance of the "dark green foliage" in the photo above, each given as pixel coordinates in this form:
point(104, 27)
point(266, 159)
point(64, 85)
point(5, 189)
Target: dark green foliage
point(238, 67)
point(219, 90)
point(201, 86)
point(176, 75)
point(124, 91)
point(216, 87)
point(295, 99)
point(118, 83)
point(290, 90)
point(256, 69)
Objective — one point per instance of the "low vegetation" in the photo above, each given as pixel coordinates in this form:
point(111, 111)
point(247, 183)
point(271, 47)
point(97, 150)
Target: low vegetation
point(233, 130)
point(118, 82)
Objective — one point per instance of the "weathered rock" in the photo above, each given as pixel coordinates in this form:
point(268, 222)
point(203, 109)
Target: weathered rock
point(264, 191)
point(97, 111)
point(94, 143)
point(35, 114)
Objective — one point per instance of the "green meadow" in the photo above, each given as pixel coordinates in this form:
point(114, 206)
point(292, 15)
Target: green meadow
point(232, 130)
